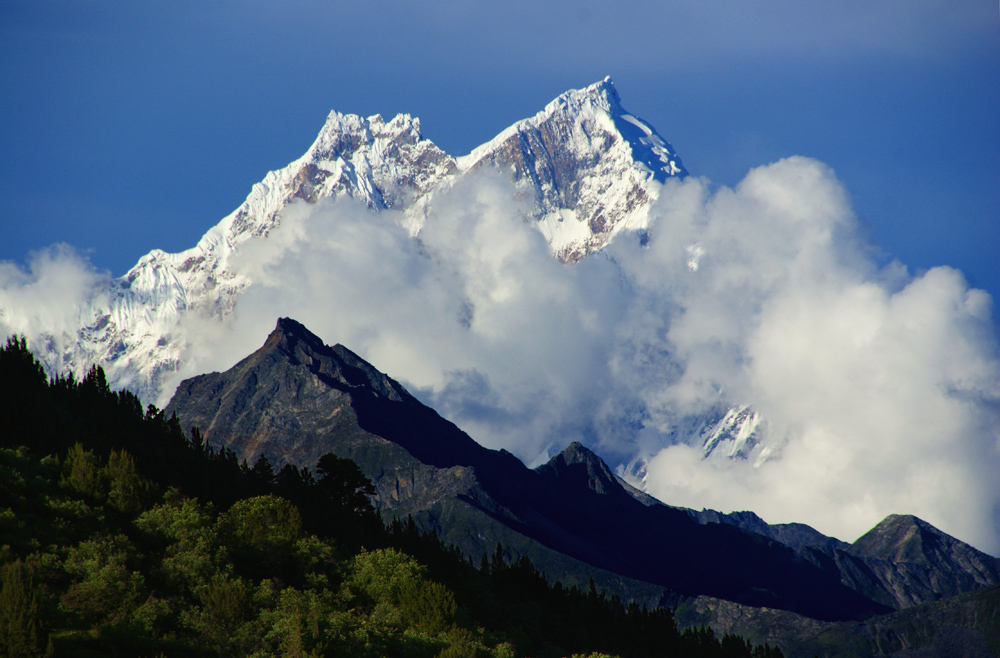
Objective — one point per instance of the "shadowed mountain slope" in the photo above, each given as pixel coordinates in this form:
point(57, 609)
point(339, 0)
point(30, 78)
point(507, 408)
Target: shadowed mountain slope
point(905, 561)
point(963, 626)
point(295, 399)
point(902, 562)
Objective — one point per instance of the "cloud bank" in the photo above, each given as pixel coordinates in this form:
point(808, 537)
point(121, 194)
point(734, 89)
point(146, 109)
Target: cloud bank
point(880, 388)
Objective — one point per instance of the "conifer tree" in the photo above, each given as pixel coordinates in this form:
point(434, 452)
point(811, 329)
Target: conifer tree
point(20, 627)
point(83, 474)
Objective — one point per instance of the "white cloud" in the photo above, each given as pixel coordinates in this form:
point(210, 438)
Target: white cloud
point(881, 390)
point(475, 316)
point(50, 299)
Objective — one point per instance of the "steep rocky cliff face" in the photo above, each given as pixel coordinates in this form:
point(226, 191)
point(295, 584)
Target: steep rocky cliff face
point(295, 399)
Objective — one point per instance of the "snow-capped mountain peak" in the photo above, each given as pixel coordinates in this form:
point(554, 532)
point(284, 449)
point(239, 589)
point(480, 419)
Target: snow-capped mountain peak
point(590, 167)
point(383, 164)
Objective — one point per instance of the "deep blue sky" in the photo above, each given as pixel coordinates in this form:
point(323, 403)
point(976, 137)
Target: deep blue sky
point(133, 126)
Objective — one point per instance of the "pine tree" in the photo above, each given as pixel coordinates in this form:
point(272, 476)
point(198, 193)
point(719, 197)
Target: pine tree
point(83, 473)
point(20, 626)
point(128, 491)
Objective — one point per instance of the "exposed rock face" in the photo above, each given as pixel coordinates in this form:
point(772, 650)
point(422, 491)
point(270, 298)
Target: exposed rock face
point(793, 535)
point(964, 625)
point(590, 167)
point(946, 595)
point(904, 561)
point(583, 468)
point(295, 399)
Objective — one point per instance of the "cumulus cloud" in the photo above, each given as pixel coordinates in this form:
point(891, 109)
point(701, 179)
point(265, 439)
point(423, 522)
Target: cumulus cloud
point(47, 296)
point(473, 315)
point(52, 297)
point(880, 389)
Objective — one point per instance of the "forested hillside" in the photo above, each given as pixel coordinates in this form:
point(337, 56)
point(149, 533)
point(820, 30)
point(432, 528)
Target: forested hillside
point(121, 536)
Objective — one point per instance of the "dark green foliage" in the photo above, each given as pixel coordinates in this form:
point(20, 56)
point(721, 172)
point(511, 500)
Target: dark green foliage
point(260, 534)
point(117, 483)
point(83, 474)
point(262, 472)
point(115, 547)
point(344, 483)
point(225, 606)
point(21, 633)
point(128, 492)
point(105, 588)
point(263, 524)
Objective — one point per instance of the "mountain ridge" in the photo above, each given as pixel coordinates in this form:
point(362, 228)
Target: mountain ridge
point(130, 327)
point(586, 168)
point(571, 511)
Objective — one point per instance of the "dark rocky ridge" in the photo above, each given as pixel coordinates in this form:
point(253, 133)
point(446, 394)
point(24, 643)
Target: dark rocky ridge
point(966, 625)
point(902, 562)
point(794, 535)
point(295, 399)
point(905, 561)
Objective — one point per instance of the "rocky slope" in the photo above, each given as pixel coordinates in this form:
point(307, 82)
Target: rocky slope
point(905, 561)
point(901, 562)
point(965, 625)
point(296, 399)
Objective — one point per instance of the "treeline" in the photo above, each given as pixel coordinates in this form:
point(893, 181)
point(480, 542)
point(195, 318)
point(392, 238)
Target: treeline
point(121, 536)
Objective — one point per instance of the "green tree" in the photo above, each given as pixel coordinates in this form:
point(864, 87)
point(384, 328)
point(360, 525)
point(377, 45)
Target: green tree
point(262, 472)
point(225, 607)
point(261, 534)
point(186, 530)
point(20, 625)
point(428, 607)
point(344, 483)
point(127, 490)
point(83, 473)
point(395, 586)
point(105, 589)
point(384, 575)
point(299, 624)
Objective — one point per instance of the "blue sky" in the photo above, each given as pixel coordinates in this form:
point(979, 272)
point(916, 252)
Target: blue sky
point(133, 126)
